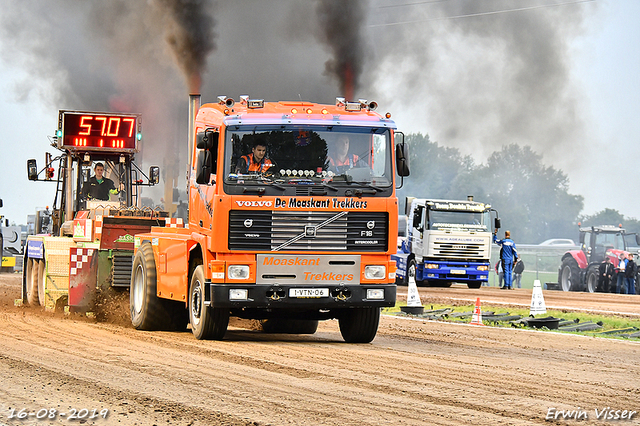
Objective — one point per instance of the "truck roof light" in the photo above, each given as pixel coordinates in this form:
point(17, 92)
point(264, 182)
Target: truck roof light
point(255, 103)
point(139, 136)
point(388, 115)
point(324, 111)
point(353, 106)
point(294, 111)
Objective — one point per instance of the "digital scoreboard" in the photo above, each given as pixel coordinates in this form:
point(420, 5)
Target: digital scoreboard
point(97, 131)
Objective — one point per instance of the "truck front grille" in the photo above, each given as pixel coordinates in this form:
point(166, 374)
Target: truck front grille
point(252, 230)
point(458, 251)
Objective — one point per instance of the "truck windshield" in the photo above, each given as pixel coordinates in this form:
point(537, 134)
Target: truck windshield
point(458, 220)
point(306, 155)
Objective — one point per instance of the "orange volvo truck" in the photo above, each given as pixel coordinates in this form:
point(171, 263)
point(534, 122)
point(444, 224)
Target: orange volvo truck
point(285, 226)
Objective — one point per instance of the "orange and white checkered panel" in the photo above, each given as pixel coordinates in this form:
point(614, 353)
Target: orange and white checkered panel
point(174, 222)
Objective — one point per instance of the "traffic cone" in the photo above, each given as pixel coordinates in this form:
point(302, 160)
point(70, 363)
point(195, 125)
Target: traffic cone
point(476, 319)
point(414, 305)
point(537, 300)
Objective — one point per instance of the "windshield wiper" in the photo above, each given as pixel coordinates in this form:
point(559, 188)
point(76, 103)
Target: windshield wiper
point(261, 188)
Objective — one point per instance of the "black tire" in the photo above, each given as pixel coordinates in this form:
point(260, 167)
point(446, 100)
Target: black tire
point(42, 279)
point(359, 325)
point(569, 275)
point(474, 284)
point(411, 271)
point(207, 323)
point(148, 312)
point(289, 326)
point(592, 280)
point(31, 282)
point(403, 280)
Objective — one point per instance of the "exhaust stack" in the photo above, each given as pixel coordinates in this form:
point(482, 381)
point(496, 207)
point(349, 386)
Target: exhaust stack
point(194, 106)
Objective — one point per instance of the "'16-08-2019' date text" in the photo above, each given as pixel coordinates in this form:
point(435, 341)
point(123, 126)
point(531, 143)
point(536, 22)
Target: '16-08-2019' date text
point(52, 413)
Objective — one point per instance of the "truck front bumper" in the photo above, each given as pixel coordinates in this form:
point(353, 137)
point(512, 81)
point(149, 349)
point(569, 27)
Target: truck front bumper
point(275, 296)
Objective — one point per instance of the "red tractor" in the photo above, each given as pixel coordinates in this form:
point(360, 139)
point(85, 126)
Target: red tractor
point(579, 268)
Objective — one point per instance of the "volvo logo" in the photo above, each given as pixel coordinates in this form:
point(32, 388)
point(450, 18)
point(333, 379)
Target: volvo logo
point(248, 223)
point(371, 224)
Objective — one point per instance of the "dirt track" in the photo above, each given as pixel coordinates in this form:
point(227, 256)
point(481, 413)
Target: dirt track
point(414, 372)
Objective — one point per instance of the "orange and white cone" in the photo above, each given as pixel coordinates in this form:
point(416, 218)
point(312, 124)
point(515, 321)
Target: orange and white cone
point(476, 319)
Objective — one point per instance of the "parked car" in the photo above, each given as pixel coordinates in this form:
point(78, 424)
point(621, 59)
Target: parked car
point(558, 242)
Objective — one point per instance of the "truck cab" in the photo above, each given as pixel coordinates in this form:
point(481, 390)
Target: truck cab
point(446, 241)
point(87, 243)
point(283, 228)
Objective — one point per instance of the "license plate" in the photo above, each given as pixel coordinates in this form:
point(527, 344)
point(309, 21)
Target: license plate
point(309, 292)
point(458, 271)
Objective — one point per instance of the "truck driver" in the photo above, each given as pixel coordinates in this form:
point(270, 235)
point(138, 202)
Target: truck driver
point(98, 187)
point(257, 161)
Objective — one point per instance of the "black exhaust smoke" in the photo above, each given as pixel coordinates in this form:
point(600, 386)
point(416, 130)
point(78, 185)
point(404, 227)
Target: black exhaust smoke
point(341, 23)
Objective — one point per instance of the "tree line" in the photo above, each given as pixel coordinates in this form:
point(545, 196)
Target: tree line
point(533, 199)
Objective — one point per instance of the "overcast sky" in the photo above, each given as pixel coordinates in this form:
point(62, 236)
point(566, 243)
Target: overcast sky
point(596, 116)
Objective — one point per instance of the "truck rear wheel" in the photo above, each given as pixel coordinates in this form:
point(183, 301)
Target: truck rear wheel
point(31, 282)
point(569, 275)
point(206, 322)
point(147, 310)
point(359, 325)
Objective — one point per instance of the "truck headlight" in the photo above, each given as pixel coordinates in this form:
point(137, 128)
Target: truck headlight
point(375, 293)
point(238, 272)
point(431, 266)
point(375, 272)
point(483, 268)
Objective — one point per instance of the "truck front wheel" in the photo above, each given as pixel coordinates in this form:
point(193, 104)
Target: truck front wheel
point(31, 282)
point(206, 322)
point(359, 325)
point(412, 272)
point(147, 310)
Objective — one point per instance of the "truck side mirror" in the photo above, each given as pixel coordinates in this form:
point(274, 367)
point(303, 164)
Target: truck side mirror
point(203, 167)
point(402, 159)
point(637, 236)
point(32, 169)
point(496, 224)
point(154, 175)
point(6, 223)
point(207, 140)
point(1, 204)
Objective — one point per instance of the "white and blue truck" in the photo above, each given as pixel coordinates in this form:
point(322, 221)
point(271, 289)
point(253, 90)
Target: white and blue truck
point(446, 241)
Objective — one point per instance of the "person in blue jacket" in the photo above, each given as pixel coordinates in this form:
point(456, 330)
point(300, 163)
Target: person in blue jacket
point(508, 255)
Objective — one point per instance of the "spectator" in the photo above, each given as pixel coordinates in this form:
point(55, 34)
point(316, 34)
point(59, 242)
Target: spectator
point(622, 263)
point(605, 274)
point(499, 272)
point(518, 269)
point(630, 274)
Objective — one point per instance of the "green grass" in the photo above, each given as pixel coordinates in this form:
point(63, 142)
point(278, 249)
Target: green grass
point(609, 322)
